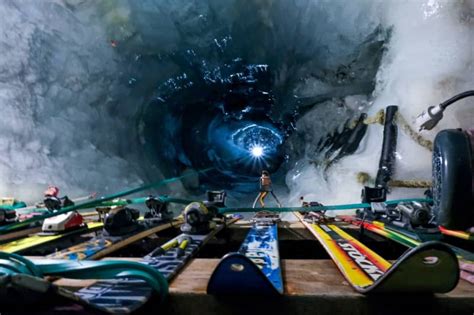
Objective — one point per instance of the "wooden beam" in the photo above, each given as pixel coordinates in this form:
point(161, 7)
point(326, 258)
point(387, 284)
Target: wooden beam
point(19, 234)
point(301, 278)
point(135, 238)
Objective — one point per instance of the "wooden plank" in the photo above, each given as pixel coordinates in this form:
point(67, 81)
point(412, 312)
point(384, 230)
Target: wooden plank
point(311, 287)
point(286, 231)
point(135, 238)
point(19, 234)
point(302, 278)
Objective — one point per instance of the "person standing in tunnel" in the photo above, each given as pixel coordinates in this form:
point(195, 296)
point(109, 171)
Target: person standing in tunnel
point(265, 188)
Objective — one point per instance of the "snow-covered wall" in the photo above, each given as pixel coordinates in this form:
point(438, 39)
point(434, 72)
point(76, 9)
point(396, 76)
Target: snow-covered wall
point(429, 58)
point(59, 84)
point(74, 75)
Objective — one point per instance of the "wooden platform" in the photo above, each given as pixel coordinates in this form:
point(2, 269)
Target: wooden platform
point(312, 286)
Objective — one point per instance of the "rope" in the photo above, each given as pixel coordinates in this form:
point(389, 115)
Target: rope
point(415, 136)
point(364, 179)
point(379, 118)
point(321, 208)
point(94, 203)
point(142, 200)
point(410, 183)
point(12, 265)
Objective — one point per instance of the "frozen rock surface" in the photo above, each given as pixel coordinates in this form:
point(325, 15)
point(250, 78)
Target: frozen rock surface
point(76, 77)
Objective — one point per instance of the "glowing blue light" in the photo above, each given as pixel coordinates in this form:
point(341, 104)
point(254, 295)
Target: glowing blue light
point(253, 135)
point(257, 151)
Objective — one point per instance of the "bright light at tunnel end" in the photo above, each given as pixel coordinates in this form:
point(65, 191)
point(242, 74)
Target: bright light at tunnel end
point(257, 151)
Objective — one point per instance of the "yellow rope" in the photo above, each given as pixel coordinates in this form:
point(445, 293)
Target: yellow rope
point(378, 118)
point(412, 133)
point(364, 179)
point(410, 183)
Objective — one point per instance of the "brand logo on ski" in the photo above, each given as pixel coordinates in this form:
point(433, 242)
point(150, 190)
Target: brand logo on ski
point(258, 257)
point(373, 271)
point(325, 228)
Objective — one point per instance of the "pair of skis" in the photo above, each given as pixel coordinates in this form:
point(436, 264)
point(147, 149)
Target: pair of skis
point(156, 220)
point(429, 267)
point(255, 269)
point(102, 245)
point(127, 295)
point(30, 212)
point(42, 239)
point(125, 291)
point(466, 258)
point(38, 239)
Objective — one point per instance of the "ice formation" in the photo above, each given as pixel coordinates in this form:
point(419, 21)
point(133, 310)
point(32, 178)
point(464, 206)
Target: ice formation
point(78, 76)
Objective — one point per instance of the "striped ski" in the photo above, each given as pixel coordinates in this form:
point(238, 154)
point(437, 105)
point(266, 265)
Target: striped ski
point(38, 239)
point(418, 270)
point(466, 258)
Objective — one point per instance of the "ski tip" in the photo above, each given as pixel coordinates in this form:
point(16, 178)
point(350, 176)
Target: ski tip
point(431, 267)
point(236, 274)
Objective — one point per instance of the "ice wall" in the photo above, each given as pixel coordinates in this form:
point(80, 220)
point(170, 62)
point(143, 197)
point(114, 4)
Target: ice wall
point(74, 75)
point(59, 89)
point(429, 58)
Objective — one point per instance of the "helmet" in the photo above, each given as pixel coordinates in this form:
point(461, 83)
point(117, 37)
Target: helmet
point(52, 191)
point(197, 219)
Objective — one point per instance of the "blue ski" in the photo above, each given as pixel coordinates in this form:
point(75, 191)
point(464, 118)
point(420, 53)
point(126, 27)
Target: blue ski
point(255, 268)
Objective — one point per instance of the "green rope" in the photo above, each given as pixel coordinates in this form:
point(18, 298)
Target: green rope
point(320, 208)
point(93, 203)
point(12, 264)
point(17, 206)
point(141, 200)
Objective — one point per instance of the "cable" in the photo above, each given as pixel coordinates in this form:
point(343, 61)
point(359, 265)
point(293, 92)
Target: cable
point(429, 118)
point(456, 98)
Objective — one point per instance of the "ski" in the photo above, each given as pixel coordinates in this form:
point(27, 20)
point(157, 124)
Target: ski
point(22, 239)
point(466, 258)
point(14, 226)
point(24, 279)
point(40, 239)
point(255, 268)
point(407, 223)
point(413, 218)
point(69, 225)
point(127, 286)
point(418, 270)
point(20, 212)
point(122, 226)
point(126, 296)
point(468, 236)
